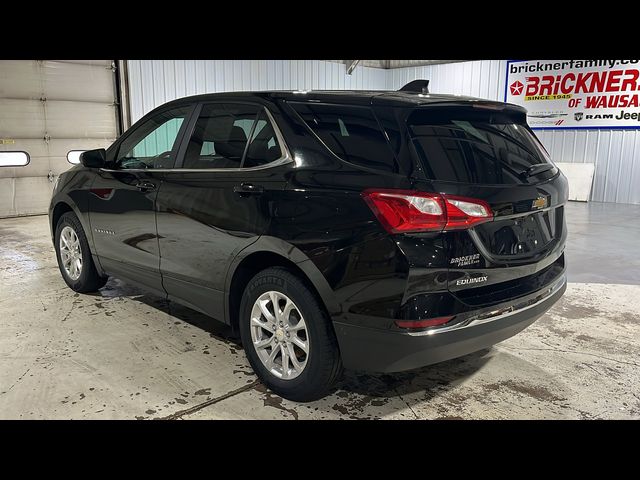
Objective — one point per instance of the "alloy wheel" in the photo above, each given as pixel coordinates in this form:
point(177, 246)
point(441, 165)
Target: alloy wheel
point(70, 253)
point(279, 335)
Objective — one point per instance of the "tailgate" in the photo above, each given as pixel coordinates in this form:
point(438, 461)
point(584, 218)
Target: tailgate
point(493, 156)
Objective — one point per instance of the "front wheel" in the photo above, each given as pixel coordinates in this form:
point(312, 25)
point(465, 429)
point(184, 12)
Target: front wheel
point(288, 337)
point(74, 256)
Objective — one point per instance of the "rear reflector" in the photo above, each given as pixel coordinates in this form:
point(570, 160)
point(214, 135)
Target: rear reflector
point(403, 211)
point(431, 322)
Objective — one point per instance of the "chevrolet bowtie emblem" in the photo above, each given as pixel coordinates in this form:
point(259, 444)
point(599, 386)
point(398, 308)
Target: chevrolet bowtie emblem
point(540, 202)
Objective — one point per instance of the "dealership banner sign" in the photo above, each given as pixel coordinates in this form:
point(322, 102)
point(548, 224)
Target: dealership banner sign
point(576, 93)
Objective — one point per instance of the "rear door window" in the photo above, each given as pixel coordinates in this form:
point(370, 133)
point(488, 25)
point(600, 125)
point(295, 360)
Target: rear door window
point(475, 146)
point(350, 132)
point(221, 135)
point(264, 147)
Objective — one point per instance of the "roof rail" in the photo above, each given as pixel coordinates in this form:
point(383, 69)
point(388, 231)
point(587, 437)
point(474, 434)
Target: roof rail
point(419, 86)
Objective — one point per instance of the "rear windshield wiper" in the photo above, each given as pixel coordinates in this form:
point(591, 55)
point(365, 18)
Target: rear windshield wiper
point(536, 169)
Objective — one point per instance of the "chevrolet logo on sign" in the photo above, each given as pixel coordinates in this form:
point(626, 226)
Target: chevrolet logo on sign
point(540, 202)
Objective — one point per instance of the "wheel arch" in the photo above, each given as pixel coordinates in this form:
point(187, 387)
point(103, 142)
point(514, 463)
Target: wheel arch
point(64, 204)
point(269, 252)
point(60, 209)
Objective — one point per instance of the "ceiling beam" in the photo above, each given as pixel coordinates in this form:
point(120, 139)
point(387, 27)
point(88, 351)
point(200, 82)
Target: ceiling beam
point(390, 64)
point(351, 65)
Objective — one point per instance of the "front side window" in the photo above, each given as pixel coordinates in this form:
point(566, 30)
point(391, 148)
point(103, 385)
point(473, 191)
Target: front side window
point(351, 132)
point(151, 145)
point(231, 136)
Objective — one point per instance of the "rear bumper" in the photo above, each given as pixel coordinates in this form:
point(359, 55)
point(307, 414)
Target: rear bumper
point(379, 350)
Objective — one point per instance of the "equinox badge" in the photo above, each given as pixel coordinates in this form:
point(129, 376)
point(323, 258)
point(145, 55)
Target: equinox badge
point(467, 281)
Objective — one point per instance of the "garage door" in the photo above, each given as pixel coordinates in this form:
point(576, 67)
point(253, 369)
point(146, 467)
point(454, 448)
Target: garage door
point(48, 109)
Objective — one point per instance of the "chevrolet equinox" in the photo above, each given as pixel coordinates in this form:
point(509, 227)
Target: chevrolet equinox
point(371, 230)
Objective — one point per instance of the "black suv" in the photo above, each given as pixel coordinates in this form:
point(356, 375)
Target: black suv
point(374, 230)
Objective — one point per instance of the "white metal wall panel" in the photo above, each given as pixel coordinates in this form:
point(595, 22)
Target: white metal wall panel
point(101, 63)
point(616, 153)
point(7, 198)
point(20, 79)
point(25, 195)
point(71, 119)
point(32, 195)
point(21, 119)
point(28, 79)
point(154, 82)
point(480, 78)
point(46, 109)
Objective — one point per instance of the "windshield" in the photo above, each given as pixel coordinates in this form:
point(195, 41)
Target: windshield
point(477, 146)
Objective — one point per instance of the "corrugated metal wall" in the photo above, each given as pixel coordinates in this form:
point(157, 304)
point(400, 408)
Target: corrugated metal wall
point(154, 82)
point(614, 152)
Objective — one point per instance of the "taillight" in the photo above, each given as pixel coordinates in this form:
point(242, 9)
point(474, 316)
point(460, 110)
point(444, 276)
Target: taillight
point(403, 211)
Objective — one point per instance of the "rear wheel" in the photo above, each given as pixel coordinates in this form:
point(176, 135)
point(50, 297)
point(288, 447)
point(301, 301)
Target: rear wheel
point(288, 337)
point(74, 257)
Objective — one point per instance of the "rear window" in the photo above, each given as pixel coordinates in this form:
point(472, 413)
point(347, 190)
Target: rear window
point(351, 132)
point(475, 146)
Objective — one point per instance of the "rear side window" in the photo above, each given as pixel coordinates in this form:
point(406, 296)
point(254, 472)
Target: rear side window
point(264, 147)
point(474, 146)
point(222, 133)
point(220, 136)
point(351, 132)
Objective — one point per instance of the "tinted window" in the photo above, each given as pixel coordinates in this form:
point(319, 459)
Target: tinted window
point(151, 144)
point(264, 147)
point(463, 145)
point(352, 133)
point(220, 136)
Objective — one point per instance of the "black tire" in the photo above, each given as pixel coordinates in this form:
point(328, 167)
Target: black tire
point(89, 280)
point(323, 366)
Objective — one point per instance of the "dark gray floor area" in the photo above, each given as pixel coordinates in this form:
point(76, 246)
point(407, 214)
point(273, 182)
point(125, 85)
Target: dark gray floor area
point(603, 244)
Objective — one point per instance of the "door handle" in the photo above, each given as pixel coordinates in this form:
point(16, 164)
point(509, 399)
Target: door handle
point(245, 189)
point(145, 186)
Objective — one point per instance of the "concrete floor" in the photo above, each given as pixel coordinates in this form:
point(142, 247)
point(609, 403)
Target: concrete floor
point(125, 354)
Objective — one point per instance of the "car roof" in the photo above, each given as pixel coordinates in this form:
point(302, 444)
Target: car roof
point(351, 97)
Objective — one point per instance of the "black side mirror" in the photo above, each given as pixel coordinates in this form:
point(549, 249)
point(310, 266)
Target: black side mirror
point(94, 158)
